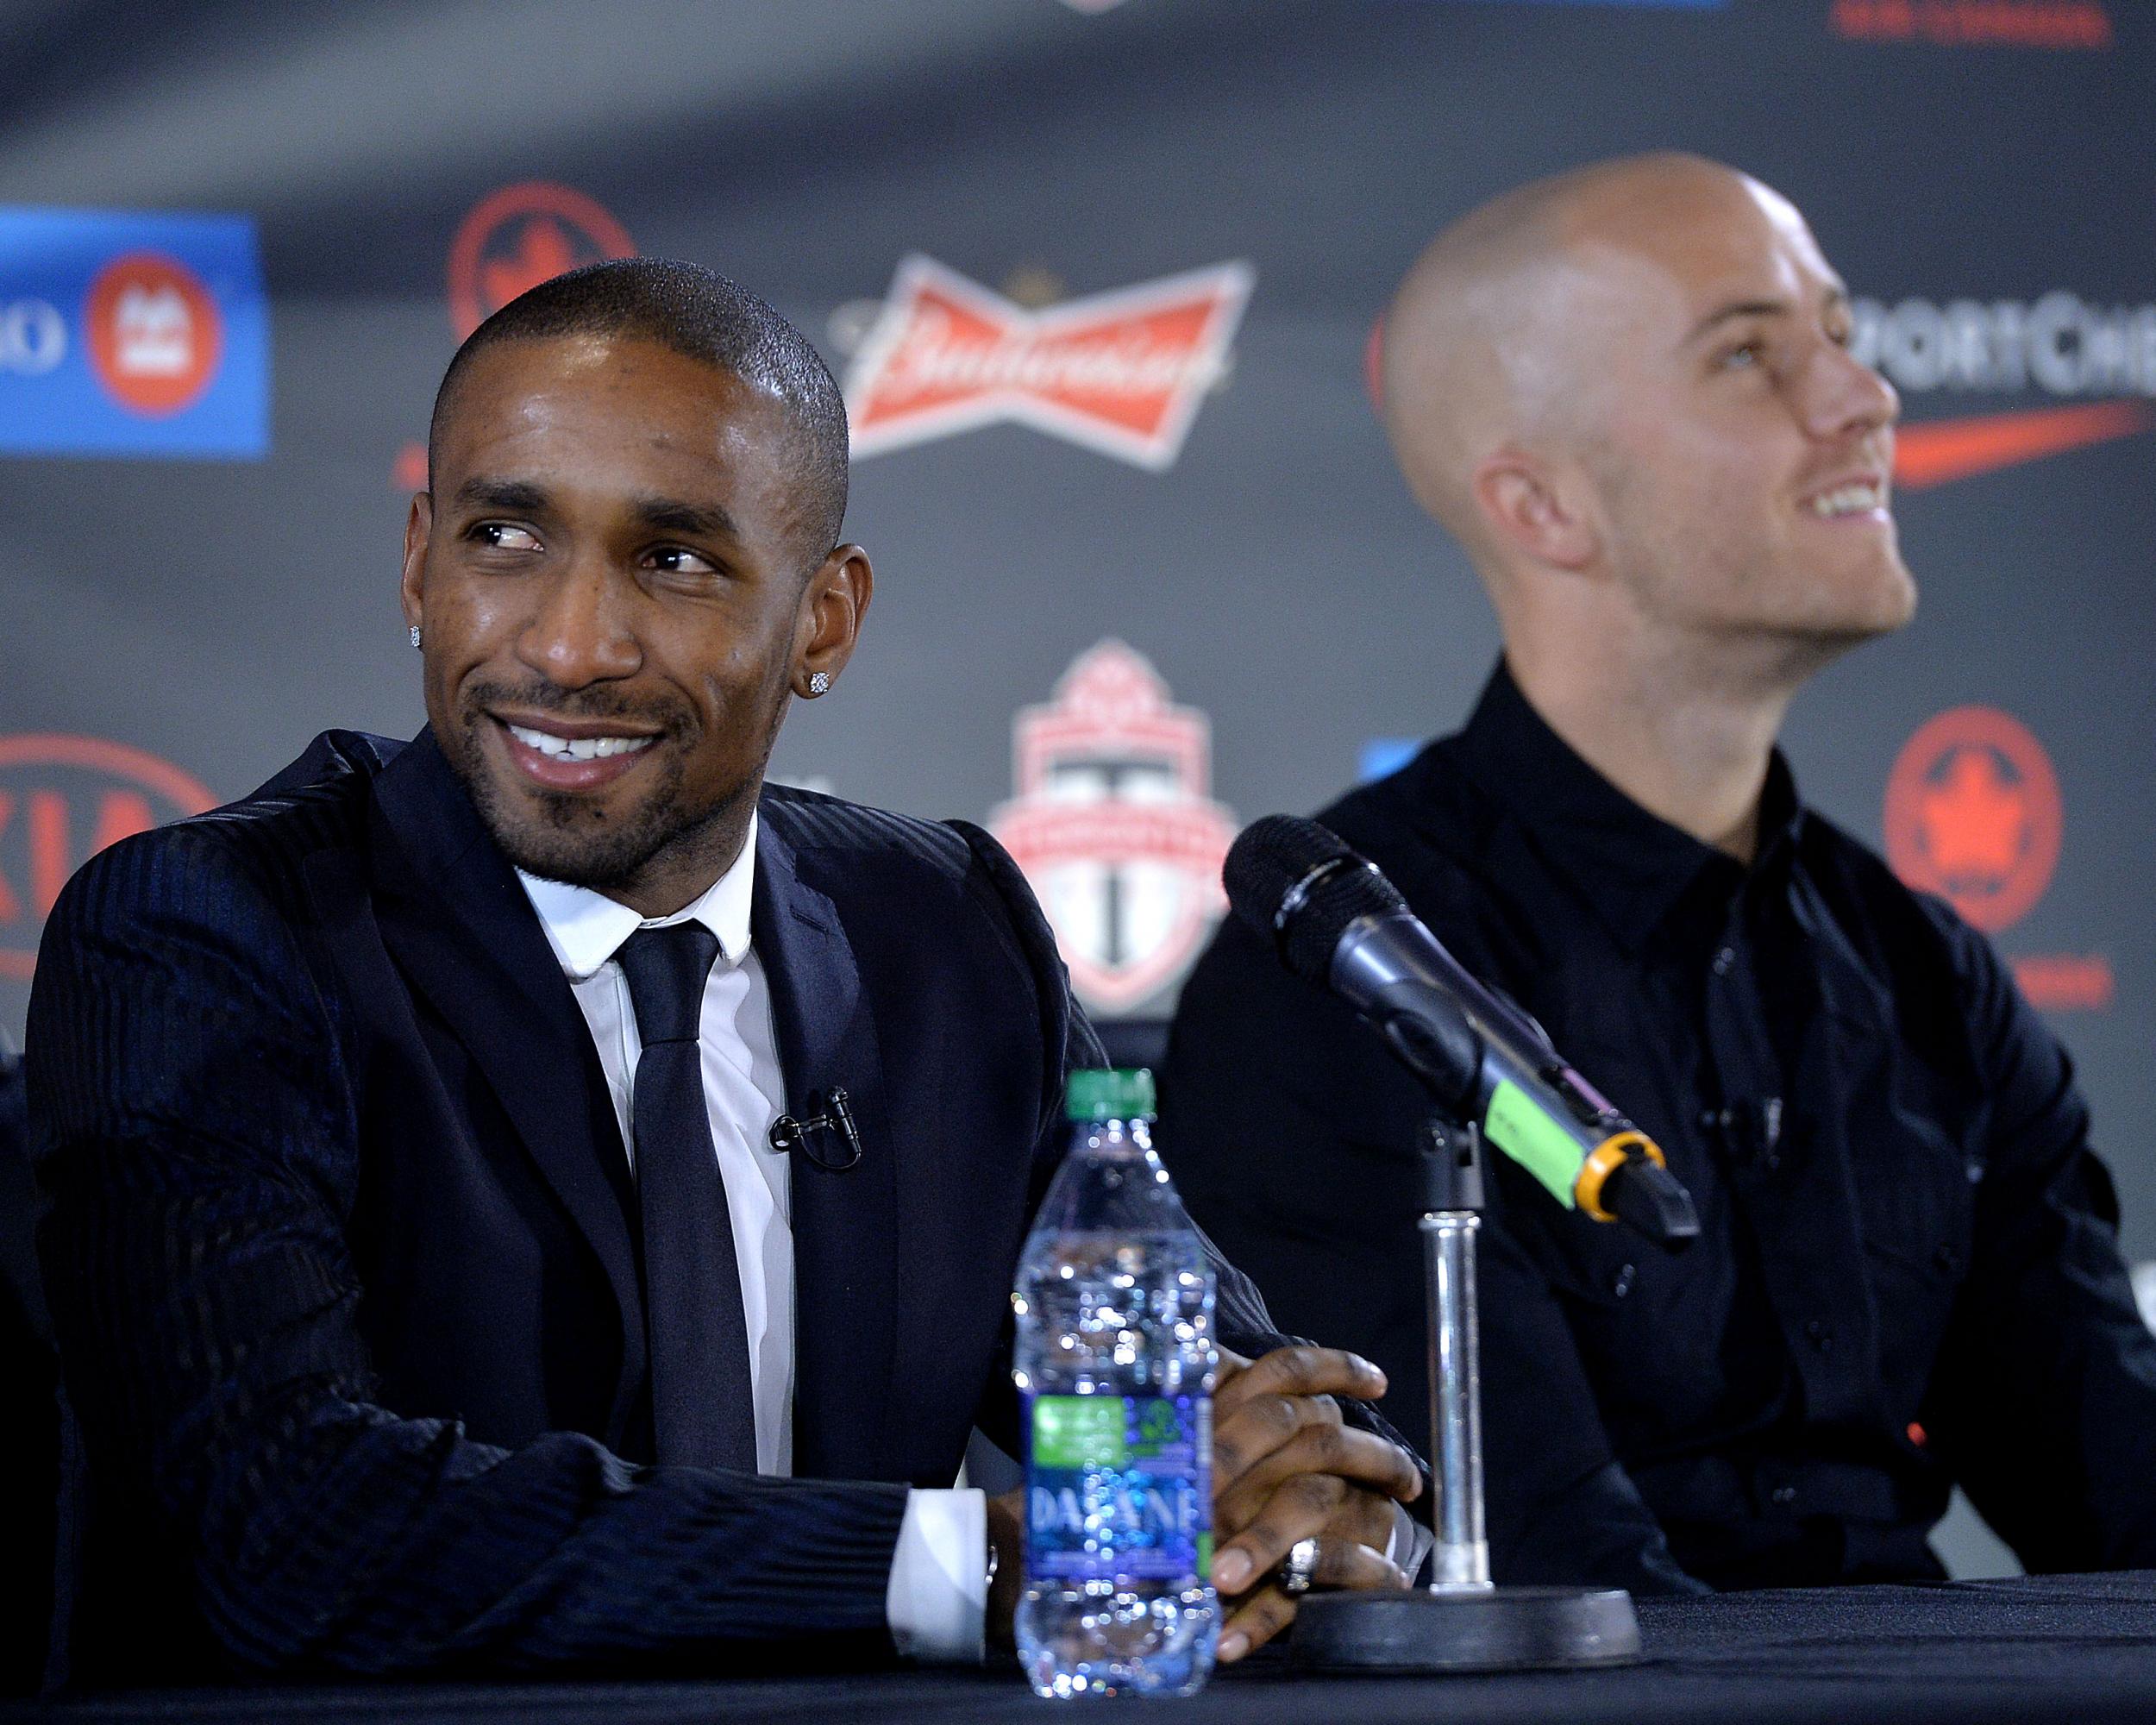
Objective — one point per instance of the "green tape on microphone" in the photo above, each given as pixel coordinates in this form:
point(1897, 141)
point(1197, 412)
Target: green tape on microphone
point(1533, 1139)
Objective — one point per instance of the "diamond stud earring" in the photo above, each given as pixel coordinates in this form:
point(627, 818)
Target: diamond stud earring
point(819, 682)
point(415, 634)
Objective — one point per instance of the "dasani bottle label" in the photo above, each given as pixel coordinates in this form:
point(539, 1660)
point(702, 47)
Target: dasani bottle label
point(1118, 1487)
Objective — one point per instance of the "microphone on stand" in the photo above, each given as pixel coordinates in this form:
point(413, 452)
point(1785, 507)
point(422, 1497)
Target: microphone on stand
point(1335, 920)
point(1488, 1067)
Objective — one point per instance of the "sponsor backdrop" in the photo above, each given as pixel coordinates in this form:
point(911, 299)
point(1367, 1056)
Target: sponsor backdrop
point(1100, 278)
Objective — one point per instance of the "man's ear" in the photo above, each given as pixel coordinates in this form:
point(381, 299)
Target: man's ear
point(832, 605)
point(418, 529)
point(1538, 510)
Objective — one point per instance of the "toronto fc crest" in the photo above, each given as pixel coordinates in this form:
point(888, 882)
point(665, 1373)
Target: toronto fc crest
point(1114, 825)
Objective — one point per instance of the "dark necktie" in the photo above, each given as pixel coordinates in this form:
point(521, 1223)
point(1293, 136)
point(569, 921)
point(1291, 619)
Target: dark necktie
point(703, 1405)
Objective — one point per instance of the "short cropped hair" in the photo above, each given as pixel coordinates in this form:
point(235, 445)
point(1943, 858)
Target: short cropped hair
point(702, 315)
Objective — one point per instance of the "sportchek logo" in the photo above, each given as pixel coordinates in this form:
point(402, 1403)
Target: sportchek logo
point(2059, 345)
point(1122, 374)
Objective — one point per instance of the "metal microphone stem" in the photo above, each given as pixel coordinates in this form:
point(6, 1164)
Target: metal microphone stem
point(1451, 1196)
point(1462, 1557)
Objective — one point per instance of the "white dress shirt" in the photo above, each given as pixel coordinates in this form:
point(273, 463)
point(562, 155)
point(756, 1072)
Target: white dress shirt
point(937, 1591)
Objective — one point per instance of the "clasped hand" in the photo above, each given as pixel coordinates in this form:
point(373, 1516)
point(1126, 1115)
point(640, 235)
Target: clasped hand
point(1285, 1466)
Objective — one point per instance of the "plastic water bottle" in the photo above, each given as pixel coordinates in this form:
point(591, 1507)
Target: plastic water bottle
point(1114, 1368)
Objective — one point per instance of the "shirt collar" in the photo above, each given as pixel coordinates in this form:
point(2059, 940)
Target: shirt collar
point(587, 928)
point(1631, 867)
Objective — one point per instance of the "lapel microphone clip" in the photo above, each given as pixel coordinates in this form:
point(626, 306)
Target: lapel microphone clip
point(789, 1135)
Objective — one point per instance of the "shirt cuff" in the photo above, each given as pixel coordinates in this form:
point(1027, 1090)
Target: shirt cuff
point(1410, 1541)
point(937, 1600)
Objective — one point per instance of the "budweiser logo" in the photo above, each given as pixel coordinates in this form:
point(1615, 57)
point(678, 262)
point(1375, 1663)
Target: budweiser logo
point(1123, 374)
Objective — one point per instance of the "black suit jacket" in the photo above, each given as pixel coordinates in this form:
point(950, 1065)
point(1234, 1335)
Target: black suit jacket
point(342, 1258)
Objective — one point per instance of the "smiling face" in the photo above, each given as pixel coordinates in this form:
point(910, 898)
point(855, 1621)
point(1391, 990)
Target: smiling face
point(1743, 455)
point(616, 599)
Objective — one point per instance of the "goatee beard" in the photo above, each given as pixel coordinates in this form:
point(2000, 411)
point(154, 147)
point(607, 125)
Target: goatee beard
point(565, 838)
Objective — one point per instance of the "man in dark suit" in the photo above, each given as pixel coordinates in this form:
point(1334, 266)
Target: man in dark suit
point(431, 1290)
point(1627, 391)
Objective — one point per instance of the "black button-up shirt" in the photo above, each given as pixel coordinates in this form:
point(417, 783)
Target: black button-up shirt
point(1908, 1273)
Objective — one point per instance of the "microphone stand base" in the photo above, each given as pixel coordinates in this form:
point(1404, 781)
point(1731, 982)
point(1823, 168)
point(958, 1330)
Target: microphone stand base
point(1493, 1629)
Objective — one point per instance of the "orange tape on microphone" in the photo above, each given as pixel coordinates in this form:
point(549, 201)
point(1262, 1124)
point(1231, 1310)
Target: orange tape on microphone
point(1604, 1160)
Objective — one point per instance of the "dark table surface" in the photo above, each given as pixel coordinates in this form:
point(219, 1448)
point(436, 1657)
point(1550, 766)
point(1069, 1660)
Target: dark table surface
point(2078, 1648)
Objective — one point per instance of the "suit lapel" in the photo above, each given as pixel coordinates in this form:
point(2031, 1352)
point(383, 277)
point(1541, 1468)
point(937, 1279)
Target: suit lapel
point(457, 923)
point(845, 1246)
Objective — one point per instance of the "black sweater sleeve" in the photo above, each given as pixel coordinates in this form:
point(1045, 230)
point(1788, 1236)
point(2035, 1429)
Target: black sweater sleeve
point(2044, 1400)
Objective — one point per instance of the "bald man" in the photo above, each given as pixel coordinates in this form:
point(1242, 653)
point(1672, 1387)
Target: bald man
point(1627, 394)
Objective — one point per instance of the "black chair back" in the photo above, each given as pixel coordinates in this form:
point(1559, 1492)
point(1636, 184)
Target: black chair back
point(29, 1381)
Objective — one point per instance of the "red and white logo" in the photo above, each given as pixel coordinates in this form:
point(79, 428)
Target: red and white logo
point(1977, 24)
point(155, 333)
point(1123, 374)
point(1973, 812)
point(63, 800)
point(521, 236)
point(1114, 825)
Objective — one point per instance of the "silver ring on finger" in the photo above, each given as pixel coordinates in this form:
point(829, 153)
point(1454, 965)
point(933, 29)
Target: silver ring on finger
point(1299, 1568)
